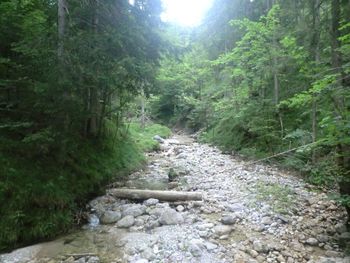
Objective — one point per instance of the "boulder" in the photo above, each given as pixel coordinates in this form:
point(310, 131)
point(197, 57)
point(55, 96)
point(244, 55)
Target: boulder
point(221, 230)
point(228, 220)
point(126, 222)
point(134, 210)
point(171, 217)
point(151, 202)
point(158, 139)
point(260, 247)
point(110, 217)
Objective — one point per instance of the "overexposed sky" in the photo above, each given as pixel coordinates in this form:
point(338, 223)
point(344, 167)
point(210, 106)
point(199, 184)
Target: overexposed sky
point(185, 12)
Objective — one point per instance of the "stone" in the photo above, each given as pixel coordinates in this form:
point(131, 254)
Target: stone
point(266, 220)
point(235, 207)
point(139, 222)
point(253, 253)
point(322, 238)
point(283, 219)
point(134, 210)
point(110, 217)
point(281, 259)
point(151, 202)
point(142, 260)
point(93, 259)
point(210, 246)
point(228, 220)
point(148, 254)
point(221, 230)
point(260, 247)
point(152, 224)
point(126, 222)
point(195, 247)
point(180, 208)
point(158, 139)
point(333, 254)
point(312, 241)
point(171, 217)
point(204, 227)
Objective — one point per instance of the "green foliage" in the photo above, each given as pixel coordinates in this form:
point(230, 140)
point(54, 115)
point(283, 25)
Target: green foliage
point(262, 79)
point(280, 197)
point(40, 197)
point(144, 137)
point(65, 84)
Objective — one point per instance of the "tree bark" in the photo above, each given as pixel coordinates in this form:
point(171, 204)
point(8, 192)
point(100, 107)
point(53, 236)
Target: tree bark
point(171, 196)
point(315, 48)
point(343, 150)
point(94, 95)
point(62, 21)
point(143, 102)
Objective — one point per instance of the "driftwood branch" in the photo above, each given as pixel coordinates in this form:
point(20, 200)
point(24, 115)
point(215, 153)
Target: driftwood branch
point(172, 196)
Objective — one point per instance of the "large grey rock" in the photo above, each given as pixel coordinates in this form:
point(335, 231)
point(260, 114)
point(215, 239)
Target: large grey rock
point(93, 259)
point(260, 247)
point(235, 207)
point(134, 210)
point(150, 202)
point(171, 217)
point(221, 230)
point(312, 241)
point(126, 222)
point(196, 246)
point(110, 217)
point(228, 220)
point(158, 139)
point(210, 246)
point(266, 220)
point(148, 254)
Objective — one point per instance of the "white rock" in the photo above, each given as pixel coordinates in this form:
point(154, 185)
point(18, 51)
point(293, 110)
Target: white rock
point(126, 222)
point(171, 217)
point(110, 217)
point(150, 202)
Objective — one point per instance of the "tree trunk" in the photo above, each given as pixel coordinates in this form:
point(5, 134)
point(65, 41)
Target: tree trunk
point(64, 119)
point(315, 48)
point(171, 196)
point(275, 78)
point(94, 95)
point(62, 20)
point(143, 102)
point(343, 150)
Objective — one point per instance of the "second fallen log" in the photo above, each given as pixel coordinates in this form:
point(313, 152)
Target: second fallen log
point(171, 196)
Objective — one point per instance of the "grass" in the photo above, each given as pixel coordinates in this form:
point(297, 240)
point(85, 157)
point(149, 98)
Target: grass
point(41, 197)
point(278, 196)
point(144, 137)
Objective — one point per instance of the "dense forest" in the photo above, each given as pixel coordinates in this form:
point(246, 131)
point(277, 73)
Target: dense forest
point(258, 78)
point(263, 78)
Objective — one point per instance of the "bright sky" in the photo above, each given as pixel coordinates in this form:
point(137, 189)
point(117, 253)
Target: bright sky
point(185, 12)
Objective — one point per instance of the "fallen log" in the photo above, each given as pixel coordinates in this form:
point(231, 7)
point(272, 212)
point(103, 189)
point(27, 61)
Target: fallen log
point(171, 196)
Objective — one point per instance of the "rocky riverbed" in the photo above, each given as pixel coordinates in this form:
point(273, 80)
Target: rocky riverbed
point(250, 213)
